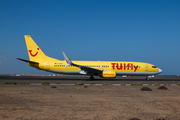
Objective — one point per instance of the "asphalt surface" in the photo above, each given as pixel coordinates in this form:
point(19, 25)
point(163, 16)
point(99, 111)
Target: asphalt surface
point(86, 80)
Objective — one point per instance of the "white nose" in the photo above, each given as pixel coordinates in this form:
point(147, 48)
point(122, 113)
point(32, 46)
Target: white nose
point(160, 70)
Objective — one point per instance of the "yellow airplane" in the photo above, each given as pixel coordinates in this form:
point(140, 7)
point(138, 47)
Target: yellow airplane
point(104, 69)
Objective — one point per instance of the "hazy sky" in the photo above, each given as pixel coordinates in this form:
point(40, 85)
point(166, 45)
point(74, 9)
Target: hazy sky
point(122, 30)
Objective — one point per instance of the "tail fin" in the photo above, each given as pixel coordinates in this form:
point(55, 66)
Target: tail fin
point(34, 52)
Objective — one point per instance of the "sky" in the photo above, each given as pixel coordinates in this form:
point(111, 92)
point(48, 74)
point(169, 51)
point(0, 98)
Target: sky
point(106, 30)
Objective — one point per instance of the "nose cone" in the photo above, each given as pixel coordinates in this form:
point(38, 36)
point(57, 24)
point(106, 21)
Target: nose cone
point(160, 70)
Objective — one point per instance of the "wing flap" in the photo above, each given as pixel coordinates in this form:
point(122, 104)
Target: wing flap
point(90, 70)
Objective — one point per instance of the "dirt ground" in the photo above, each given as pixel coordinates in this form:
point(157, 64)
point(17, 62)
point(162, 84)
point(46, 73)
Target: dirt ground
point(38, 102)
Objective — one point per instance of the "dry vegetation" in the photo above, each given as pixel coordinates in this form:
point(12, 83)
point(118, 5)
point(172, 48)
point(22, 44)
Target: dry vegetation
point(88, 102)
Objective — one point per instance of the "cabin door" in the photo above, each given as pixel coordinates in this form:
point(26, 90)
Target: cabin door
point(146, 67)
point(48, 66)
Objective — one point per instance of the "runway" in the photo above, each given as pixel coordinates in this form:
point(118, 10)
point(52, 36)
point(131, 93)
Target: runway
point(86, 80)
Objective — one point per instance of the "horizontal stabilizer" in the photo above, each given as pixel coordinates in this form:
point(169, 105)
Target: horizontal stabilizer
point(27, 61)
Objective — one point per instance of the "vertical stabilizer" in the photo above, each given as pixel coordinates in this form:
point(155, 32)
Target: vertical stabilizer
point(34, 51)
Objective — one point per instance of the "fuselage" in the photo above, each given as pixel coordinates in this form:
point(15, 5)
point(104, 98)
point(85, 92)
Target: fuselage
point(120, 67)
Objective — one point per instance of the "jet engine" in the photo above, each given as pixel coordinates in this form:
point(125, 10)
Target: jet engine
point(108, 74)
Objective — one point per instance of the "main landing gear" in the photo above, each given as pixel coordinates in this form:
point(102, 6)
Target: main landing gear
point(147, 78)
point(92, 78)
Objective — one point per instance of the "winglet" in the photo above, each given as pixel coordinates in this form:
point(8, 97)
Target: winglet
point(67, 60)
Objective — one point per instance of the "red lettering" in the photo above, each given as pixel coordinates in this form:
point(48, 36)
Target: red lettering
point(124, 66)
point(131, 66)
point(119, 67)
point(135, 68)
point(113, 64)
point(128, 65)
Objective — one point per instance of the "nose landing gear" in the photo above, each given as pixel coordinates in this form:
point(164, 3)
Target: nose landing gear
point(92, 78)
point(147, 78)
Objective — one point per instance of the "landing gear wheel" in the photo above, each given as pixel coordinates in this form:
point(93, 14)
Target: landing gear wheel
point(92, 78)
point(147, 78)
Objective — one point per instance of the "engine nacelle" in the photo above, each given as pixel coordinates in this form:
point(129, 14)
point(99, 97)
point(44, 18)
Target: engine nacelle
point(108, 74)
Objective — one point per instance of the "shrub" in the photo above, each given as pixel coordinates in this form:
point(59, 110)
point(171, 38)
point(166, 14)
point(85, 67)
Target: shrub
point(27, 84)
point(58, 83)
point(92, 83)
point(178, 83)
point(139, 83)
point(22, 83)
point(45, 83)
point(123, 84)
point(104, 84)
point(146, 89)
point(10, 83)
point(169, 84)
point(5, 83)
point(162, 88)
point(156, 84)
point(133, 84)
point(53, 86)
point(110, 84)
point(150, 84)
point(165, 84)
point(79, 83)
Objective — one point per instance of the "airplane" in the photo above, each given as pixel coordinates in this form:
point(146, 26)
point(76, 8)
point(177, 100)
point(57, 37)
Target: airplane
point(104, 69)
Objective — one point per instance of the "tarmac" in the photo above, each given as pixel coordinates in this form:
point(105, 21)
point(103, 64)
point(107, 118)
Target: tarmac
point(71, 80)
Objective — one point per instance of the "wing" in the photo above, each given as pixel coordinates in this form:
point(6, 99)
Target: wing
point(84, 69)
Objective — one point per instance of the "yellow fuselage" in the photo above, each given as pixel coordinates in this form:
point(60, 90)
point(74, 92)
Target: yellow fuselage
point(106, 69)
point(120, 67)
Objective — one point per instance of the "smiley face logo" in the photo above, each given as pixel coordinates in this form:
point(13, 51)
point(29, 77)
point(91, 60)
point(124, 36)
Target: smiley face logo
point(67, 61)
point(33, 55)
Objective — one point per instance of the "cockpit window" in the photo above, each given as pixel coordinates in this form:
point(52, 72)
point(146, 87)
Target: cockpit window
point(154, 67)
